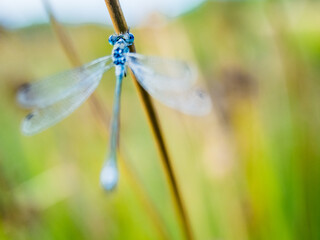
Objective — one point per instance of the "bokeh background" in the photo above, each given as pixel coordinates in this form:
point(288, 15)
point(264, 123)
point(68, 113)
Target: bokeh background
point(249, 170)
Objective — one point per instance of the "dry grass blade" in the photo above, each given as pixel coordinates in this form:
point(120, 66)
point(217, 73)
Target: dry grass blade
point(120, 26)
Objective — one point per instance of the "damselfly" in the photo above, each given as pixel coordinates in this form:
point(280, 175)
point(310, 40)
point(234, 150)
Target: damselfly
point(54, 98)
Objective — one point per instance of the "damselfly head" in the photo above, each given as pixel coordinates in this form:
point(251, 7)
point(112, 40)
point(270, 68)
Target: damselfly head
point(127, 37)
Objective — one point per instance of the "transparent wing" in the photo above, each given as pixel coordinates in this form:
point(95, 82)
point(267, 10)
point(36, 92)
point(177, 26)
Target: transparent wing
point(171, 82)
point(164, 74)
point(194, 101)
point(42, 118)
point(55, 88)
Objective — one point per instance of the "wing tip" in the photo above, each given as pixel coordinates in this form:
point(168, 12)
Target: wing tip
point(203, 104)
point(22, 93)
point(25, 126)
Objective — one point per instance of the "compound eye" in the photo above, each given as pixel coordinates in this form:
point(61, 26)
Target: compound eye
point(131, 38)
point(113, 39)
point(128, 37)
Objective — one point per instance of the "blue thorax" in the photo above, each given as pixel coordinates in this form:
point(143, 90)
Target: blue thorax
point(119, 52)
point(120, 43)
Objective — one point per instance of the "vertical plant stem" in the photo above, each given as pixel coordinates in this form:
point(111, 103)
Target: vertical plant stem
point(62, 36)
point(98, 110)
point(120, 26)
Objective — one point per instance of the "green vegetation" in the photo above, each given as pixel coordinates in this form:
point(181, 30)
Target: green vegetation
point(250, 170)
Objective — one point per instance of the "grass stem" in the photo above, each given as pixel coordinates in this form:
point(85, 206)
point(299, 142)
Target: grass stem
point(120, 26)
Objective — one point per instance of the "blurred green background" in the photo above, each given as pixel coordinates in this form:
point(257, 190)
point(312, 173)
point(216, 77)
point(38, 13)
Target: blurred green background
point(249, 170)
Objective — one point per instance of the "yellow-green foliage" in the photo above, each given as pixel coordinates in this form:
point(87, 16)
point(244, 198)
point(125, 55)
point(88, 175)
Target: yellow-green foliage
point(250, 170)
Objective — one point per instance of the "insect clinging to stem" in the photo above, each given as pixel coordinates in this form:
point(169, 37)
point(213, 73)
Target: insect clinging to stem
point(52, 99)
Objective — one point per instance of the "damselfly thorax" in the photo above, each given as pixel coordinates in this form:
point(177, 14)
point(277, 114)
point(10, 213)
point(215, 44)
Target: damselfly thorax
point(120, 50)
